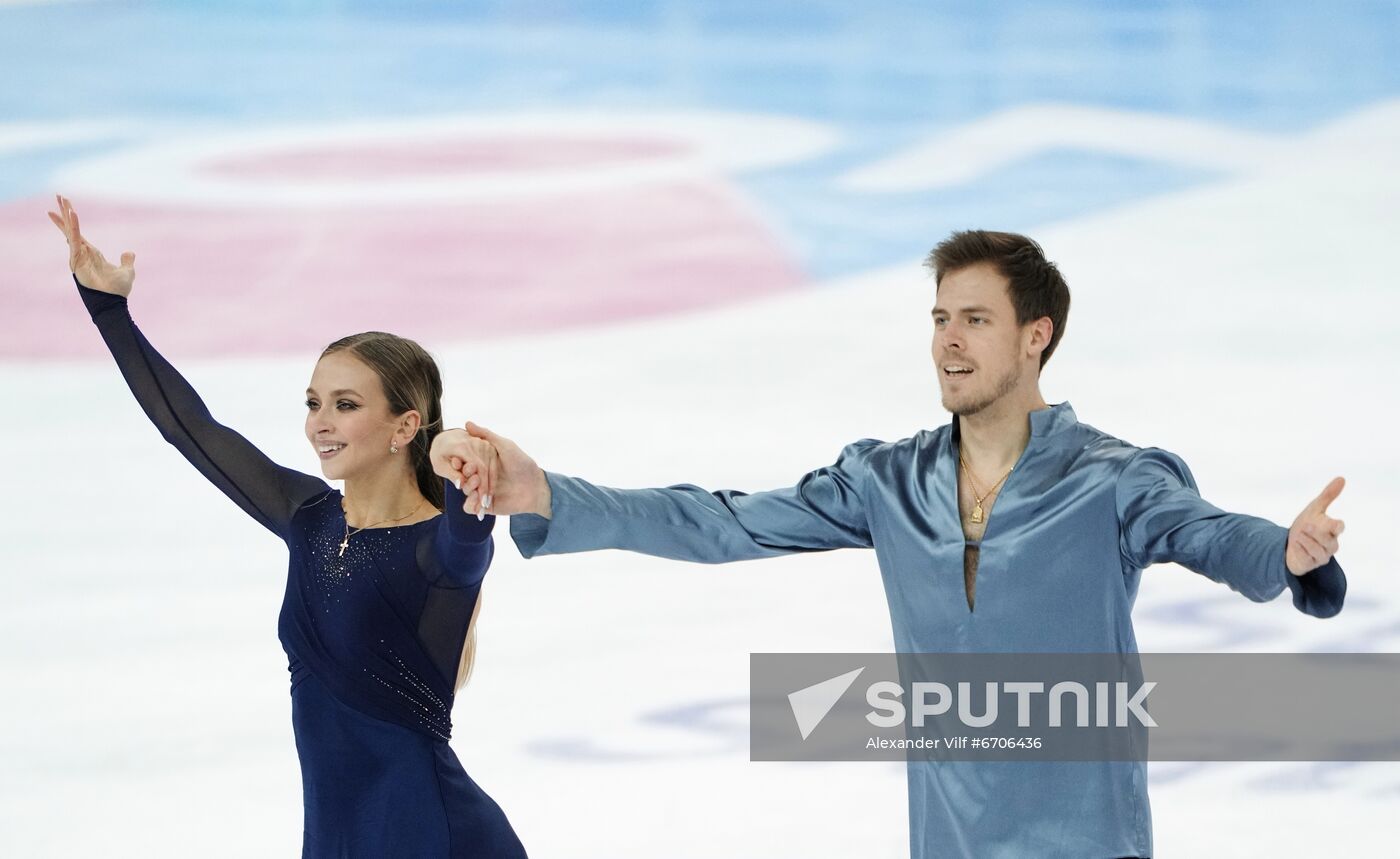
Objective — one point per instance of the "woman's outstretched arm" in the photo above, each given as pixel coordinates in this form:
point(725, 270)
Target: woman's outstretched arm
point(268, 492)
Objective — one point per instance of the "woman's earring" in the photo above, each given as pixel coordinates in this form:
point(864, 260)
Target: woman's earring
point(393, 447)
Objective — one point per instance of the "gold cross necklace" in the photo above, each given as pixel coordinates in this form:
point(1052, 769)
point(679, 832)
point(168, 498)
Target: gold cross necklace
point(348, 534)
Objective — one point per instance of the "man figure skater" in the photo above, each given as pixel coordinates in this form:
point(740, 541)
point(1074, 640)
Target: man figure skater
point(1013, 529)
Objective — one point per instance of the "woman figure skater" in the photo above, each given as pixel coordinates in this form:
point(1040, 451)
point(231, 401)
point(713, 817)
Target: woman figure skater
point(383, 582)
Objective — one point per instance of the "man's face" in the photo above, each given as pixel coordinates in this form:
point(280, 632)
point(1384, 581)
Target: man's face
point(977, 345)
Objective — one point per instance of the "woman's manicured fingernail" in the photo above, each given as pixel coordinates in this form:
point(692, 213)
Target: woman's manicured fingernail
point(479, 517)
point(486, 502)
point(458, 481)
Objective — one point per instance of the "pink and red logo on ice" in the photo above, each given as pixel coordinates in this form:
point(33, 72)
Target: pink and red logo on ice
point(442, 230)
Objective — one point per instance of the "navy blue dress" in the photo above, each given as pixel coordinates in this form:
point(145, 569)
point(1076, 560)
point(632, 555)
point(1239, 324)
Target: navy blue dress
point(373, 636)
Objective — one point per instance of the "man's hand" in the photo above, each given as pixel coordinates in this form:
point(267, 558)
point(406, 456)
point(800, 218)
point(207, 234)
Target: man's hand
point(514, 483)
point(468, 462)
point(1312, 539)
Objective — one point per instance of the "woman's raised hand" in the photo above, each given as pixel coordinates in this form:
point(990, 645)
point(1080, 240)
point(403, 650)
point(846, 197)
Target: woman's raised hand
point(87, 262)
point(470, 463)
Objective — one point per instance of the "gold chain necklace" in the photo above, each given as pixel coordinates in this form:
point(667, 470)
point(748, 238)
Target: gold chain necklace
point(976, 517)
point(348, 533)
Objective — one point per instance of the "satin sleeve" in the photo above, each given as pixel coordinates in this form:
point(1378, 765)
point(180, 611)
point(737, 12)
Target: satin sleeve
point(823, 510)
point(1162, 518)
point(266, 491)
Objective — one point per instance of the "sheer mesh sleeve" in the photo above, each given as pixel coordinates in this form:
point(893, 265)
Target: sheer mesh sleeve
point(462, 546)
point(268, 492)
point(454, 559)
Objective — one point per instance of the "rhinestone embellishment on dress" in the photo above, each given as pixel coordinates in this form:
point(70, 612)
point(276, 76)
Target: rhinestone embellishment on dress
point(430, 710)
point(334, 570)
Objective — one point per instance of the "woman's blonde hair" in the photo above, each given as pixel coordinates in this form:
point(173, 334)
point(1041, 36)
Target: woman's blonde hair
point(411, 381)
point(464, 665)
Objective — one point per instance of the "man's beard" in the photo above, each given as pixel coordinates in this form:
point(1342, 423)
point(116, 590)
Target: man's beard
point(1004, 386)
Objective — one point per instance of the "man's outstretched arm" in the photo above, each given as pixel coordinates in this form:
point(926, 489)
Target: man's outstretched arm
point(1164, 519)
point(552, 514)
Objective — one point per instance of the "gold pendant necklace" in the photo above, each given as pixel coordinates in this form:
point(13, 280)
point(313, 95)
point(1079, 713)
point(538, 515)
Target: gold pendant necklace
point(976, 517)
point(348, 533)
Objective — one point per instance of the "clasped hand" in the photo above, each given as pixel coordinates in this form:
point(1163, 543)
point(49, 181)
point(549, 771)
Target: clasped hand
point(492, 471)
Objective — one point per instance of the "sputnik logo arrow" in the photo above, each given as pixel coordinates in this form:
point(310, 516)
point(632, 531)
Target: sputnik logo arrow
point(810, 705)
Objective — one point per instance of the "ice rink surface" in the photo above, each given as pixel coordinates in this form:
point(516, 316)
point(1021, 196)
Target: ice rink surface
point(655, 245)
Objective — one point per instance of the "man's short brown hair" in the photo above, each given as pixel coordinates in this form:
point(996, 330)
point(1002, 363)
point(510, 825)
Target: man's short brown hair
point(1037, 287)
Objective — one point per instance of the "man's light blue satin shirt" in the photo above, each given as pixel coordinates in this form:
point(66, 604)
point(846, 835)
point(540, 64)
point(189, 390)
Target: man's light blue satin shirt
point(1080, 516)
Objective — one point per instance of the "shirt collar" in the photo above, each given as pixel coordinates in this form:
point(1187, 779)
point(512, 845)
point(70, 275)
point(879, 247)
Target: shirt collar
point(1044, 422)
point(1047, 422)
